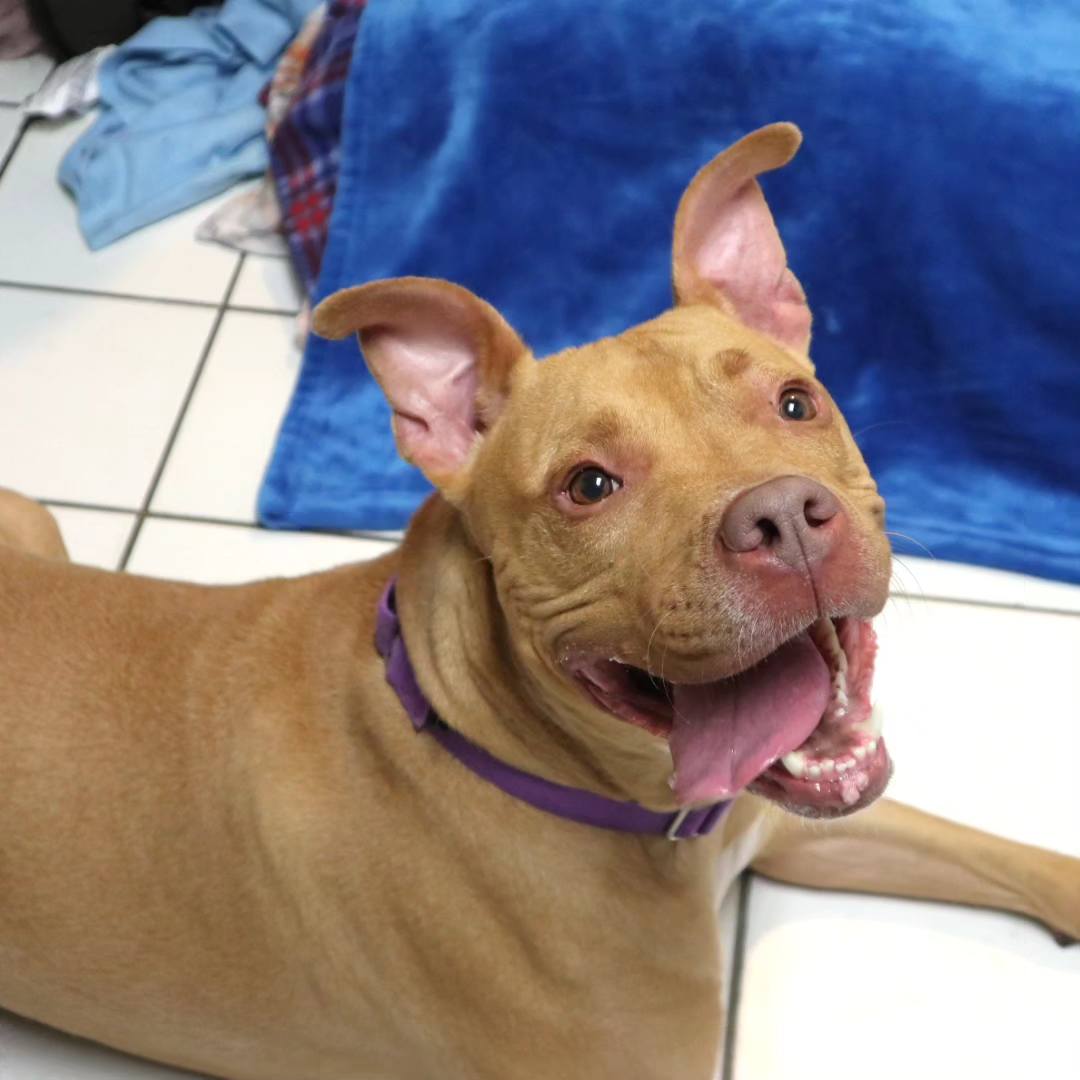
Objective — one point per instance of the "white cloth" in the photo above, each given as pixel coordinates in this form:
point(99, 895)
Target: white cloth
point(71, 89)
point(250, 222)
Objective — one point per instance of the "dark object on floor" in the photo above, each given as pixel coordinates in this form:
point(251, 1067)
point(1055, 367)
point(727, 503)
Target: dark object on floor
point(17, 34)
point(72, 27)
point(519, 149)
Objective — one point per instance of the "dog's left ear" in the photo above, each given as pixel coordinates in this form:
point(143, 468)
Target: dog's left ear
point(444, 359)
point(727, 250)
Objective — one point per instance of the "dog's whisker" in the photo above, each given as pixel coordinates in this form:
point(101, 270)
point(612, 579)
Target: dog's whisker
point(881, 424)
point(898, 565)
point(652, 636)
point(912, 540)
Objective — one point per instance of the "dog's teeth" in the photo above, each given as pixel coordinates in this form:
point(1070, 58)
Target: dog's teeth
point(828, 766)
point(795, 763)
point(814, 772)
point(871, 746)
point(859, 752)
point(843, 766)
point(875, 722)
point(871, 726)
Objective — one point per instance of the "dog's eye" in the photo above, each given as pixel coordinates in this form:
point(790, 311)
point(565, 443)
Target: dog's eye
point(590, 485)
point(797, 404)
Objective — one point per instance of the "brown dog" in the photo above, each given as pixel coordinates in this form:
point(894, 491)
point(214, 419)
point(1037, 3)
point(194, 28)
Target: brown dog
point(648, 576)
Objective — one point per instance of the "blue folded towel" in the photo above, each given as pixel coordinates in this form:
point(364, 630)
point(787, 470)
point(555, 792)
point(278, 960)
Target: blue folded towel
point(535, 152)
point(180, 116)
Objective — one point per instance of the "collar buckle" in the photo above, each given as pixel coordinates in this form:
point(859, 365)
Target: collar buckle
point(676, 824)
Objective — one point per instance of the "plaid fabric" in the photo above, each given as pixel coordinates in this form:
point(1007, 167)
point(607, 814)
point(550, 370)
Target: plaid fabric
point(305, 149)
point(280, 92)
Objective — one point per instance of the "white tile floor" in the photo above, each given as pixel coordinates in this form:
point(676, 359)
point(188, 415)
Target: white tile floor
point(140, 391)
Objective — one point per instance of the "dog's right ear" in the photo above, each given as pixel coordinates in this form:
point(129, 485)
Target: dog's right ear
point(444, 359)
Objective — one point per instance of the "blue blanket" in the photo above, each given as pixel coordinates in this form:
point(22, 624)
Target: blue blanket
point(535, 152)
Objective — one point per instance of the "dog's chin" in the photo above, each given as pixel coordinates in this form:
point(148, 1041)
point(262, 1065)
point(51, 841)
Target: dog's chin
point(796, 727)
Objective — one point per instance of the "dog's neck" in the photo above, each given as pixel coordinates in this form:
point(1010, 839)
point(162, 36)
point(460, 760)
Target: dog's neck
point(487, 686)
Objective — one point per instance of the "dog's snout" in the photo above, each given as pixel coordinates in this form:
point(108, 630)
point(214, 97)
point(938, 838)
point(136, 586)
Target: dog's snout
point(792, 518)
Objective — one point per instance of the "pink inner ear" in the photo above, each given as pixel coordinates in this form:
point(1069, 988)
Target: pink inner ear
point(732, 243)
point(429, 375)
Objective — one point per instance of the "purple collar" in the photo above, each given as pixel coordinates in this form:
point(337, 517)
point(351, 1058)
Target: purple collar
point(585, 807)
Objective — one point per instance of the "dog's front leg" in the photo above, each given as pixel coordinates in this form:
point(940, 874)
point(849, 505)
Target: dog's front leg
point(896, 850)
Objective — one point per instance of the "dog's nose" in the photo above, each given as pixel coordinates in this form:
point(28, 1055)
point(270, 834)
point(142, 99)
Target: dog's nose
point(792, 518)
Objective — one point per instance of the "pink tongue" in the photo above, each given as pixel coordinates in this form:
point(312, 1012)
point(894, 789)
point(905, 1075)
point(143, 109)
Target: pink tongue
point(728, 732)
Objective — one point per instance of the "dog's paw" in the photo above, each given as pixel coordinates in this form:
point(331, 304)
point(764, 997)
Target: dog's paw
point(1058, 897)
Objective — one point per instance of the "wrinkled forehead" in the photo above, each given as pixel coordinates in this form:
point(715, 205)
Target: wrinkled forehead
point(672, 377)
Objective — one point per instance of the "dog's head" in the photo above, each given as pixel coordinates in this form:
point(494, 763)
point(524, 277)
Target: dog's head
point(682, 532)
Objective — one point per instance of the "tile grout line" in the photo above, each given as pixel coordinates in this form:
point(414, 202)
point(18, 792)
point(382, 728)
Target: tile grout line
point(252, 309)
point(9, 155)
point(198, 519)
point(731, 1020)
point(75, 290)
point(996, 605)
point(176, 301)
point(170, 442)
point(74, 504)
point(233, 523)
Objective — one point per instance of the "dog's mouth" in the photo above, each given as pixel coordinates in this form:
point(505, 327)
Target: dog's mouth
point(797, 727)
